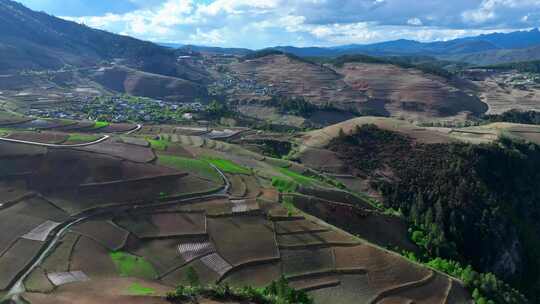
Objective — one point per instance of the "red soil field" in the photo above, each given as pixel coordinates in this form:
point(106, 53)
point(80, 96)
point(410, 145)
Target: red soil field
point(385, 270)
point(243, 239)
point(432, 292)
point(256, 275)
point(299, 226)
point(160, 225)
point(384, 230)
point(13, 225)
point(93, 259)
point(103, 291)
point(39, 208)
point(163, 254)
point(328, 238)
point(10, 150)
point(16, 259)
point(118, 149)
point(104, 232)
point(42, 137)
point(304, 262)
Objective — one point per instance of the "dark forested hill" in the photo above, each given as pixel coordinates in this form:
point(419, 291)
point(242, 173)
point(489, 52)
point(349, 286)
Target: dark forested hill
point(477, 204)
point(35, 40)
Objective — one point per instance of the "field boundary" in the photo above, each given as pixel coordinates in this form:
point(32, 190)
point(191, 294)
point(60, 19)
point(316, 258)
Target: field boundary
point(102, 139)
point(392, 290)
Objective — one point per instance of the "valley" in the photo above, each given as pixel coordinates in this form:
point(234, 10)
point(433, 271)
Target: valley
point(396, 172)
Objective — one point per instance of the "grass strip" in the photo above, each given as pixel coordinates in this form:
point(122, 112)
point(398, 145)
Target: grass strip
point(100, 125)
point(129, 265)
point(199, 167)
point(137, 289)
point(228, 166)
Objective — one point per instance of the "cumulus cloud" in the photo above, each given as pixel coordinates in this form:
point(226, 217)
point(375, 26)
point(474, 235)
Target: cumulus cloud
point(503, 11)
point(262, 23)
point(415, 21)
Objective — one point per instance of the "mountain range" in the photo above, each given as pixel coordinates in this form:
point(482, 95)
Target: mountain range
point(516, 46)
point(36, 40)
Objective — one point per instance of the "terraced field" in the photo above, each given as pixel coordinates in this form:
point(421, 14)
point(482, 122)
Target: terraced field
point(123, 221)
point(383, 89)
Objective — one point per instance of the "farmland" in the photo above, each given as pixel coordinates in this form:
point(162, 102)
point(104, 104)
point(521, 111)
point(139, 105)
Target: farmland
point(142, 216)
point(138, 172)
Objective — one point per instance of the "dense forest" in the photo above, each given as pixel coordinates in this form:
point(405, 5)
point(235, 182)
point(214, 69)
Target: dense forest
point(475, 204)
point(515, 116)
point(524, 66)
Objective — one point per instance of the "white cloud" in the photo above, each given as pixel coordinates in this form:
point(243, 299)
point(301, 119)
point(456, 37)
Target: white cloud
point(491, 9)
point(262, 23)
point(415, 21)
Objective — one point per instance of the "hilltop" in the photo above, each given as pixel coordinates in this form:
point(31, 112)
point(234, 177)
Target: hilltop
point(375, 87)
point(35, 40)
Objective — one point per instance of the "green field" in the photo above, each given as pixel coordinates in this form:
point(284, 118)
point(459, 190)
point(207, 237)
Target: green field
point(299, 178)
point(294, 180)
point(228, 166)
point(200, 167)
point(100, 125)
point(158, 144)
point(4, 132)
point(139, 290)
point(132, 266)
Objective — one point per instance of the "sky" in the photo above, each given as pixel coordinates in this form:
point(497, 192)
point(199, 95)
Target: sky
point(257, 24)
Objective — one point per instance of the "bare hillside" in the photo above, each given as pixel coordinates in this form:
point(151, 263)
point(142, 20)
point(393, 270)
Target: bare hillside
point(137, 83)
point(380, 89)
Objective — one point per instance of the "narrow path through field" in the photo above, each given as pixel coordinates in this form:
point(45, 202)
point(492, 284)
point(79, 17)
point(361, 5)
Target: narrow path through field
point(102, 139)
point(18, 287)
point(139, 126)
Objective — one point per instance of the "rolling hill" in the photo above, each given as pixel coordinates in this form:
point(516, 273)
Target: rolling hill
point(133, 82)
point(35, 40)
point(377, 88)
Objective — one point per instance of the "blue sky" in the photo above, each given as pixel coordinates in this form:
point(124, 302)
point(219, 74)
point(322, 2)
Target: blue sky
point(263, 23)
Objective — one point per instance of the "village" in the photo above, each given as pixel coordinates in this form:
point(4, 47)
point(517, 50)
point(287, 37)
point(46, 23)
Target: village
point(115, 108)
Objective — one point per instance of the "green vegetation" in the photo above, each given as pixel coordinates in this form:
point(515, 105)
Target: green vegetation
point(486, 288)
point(288, 203)
point(200, 167)
point(217, 110)
point(124, 108)
point(81, 138)
point(467, 203)
point(298, 178)
point(295, 180)
point(284, 185)
point(132, 266)
point(278, 292)
point(4, 132)
point(139, 290)
point(228, 166)
point(100, 124)
point(158, 144)
point(515, 116)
